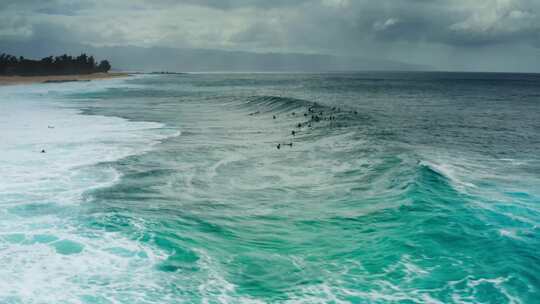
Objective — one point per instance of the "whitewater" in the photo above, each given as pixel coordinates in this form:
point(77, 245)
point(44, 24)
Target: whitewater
point(386, 187)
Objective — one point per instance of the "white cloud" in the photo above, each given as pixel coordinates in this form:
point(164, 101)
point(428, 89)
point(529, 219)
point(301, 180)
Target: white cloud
point(498, 17)
point(343, 27)
point(336, 3)
point(383, 25)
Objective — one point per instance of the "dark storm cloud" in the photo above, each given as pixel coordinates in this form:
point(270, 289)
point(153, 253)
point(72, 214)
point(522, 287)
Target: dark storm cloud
point(472, 23)
point(234, 4)
point(67, 10)
point(48, 7)
point(422, 31)
point(453, 23)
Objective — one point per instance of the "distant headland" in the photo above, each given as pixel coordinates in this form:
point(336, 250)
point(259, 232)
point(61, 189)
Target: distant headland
point(64, 68)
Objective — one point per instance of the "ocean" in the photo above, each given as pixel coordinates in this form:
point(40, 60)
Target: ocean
point(192, 188)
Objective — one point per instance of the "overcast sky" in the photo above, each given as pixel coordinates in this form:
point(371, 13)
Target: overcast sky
point(491, 35)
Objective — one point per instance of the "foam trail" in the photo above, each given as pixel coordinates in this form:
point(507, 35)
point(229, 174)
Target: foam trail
point(45, 254)
point(409, 193)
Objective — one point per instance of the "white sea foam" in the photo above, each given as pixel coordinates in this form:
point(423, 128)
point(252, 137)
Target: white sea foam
point(492, 186)
point(70, 140)
point(45, 255)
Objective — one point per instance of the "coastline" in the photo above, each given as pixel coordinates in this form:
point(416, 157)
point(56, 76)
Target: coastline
point(14, 80)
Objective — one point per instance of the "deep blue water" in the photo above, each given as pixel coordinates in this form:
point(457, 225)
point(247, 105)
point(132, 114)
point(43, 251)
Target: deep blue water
point(398, 187)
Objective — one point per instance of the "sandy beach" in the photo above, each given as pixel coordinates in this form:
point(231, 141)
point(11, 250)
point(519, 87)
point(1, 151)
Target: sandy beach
point(13, 80)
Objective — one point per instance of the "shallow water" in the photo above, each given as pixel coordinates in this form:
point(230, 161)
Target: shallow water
point(423, 187)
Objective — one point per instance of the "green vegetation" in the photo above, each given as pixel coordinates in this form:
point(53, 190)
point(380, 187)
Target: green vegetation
point(60, 65)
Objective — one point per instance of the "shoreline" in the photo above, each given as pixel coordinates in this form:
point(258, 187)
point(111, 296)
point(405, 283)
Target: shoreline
point(16, 80)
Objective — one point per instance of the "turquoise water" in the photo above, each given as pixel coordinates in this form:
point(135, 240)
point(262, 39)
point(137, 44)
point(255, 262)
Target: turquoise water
point(411, 188)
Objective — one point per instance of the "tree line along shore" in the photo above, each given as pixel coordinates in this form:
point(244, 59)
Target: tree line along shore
point(60, 65)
